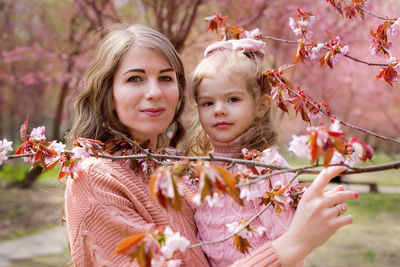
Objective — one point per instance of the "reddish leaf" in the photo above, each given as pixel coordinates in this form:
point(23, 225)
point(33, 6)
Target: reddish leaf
point(389, 74)
point(129, 243)
point(230, 182)
point(328, 156)
point(241, 244)
point(21, 148)
point(22, 129)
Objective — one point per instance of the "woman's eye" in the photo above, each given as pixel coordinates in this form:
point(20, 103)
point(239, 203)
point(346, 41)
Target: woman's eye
point(234, 99)
point(134, 79)
point(165, 78)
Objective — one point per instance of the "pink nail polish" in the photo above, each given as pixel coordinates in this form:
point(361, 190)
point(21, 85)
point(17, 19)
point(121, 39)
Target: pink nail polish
point(356, 194)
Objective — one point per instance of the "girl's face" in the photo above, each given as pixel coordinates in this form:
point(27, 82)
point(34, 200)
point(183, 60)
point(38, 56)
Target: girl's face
point(226, 109)
point(145, 93)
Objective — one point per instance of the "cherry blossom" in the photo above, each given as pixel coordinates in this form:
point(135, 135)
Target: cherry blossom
point(299, 146)
point(253, 34)
point(58, 147)
point(394, 29)
point(80, 153)
point(38, 133)
point(5, 146)
point(174, 242)
point(246, 232)
point(253, 191)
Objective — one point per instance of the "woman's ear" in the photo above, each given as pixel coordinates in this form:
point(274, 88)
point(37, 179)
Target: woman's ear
point(264, 104)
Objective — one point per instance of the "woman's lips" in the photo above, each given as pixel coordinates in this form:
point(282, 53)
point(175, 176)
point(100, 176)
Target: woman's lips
point(153, 112)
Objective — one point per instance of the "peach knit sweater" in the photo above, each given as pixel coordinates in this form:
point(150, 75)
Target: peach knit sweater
point(107, 202)
point(211, 221)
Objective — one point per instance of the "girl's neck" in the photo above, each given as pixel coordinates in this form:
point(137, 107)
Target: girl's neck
point(229, 148)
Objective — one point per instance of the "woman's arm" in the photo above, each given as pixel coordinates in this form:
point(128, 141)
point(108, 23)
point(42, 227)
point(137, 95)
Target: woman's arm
point(99, 215)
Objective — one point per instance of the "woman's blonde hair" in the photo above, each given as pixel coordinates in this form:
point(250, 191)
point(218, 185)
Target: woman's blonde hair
point(244, 69)
point(93, 107)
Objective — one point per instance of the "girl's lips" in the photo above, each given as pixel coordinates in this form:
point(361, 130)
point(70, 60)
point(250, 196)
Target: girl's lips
point(153, 112)
point(222, 125)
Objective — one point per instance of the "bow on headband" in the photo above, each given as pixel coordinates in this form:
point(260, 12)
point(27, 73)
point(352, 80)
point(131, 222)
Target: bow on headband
point(242, 45)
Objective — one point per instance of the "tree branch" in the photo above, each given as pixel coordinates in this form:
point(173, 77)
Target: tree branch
point(348, 56)
point(301, 170)
point(340, 121)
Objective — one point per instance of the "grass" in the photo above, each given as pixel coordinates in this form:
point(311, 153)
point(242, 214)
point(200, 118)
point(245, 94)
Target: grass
point(372, 240)
point(16, 172)
point(60, 259)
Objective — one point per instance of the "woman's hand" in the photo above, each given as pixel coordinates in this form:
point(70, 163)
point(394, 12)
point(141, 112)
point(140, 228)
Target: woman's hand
point(317, 218)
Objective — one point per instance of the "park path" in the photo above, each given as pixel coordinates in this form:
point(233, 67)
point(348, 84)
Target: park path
point(54, 241)
point(47, 242)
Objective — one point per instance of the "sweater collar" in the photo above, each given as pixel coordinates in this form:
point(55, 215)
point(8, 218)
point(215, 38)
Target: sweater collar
point(228, 149)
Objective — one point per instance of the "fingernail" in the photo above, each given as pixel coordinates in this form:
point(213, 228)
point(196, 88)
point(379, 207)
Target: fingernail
point(356, 194)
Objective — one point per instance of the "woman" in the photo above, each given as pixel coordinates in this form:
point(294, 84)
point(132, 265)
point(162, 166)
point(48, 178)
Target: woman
point(135, 85)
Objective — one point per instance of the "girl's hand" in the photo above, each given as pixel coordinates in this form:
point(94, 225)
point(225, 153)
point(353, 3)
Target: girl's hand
point(316, 219)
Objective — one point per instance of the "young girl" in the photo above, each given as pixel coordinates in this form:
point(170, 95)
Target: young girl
point(235, 114)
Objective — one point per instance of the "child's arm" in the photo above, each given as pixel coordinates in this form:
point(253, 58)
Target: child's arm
point(315, 221)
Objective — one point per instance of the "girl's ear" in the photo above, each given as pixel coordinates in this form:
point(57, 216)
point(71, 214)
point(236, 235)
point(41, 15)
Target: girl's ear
point(264, 104)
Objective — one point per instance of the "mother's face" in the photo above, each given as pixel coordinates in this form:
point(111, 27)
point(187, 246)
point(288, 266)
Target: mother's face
point(145, 93)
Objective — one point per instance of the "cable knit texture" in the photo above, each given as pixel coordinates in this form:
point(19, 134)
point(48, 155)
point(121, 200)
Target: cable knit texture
point(107, 202)
point(211, 221)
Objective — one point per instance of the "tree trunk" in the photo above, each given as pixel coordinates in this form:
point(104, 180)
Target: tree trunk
point(30, 178)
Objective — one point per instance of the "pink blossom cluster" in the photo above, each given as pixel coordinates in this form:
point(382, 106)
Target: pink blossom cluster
point(173, 243)
point(352, 152)
point(394, 29)
point(208, 174)
point(165, 184)
point(160, 246)
point(37, 134)
point(374, 45)
point(301, 25)
point(33, 78)
point(253, 34)
point(22, 53)
point(246, 232)
point(5, 146)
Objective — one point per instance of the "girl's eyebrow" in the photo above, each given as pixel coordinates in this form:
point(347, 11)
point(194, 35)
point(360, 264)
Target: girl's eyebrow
point(234, 91)
point(143, 71)
point(203, 96)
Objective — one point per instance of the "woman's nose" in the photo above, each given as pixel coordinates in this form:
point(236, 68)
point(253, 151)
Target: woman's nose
point(153, 91)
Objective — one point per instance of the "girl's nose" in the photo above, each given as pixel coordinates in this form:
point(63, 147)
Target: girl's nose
point(153, 91)
point(220, 109)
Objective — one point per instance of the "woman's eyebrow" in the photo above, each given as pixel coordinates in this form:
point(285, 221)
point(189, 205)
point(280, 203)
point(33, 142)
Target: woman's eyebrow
point(167, 70)
point(134, 70)
point(143, 71)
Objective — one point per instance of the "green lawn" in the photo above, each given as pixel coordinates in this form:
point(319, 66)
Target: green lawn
point(372, 240)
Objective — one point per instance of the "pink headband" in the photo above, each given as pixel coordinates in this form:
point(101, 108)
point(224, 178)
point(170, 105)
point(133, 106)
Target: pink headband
point(243, 45)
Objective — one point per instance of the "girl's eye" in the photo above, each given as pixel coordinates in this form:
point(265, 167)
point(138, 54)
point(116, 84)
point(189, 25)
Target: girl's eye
point(234, 99)
point(134, 79)
point(206, 104)
point(165, 78)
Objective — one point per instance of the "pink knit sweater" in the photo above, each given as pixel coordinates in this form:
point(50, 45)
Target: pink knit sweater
point(211, 221)
point(107, 202)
